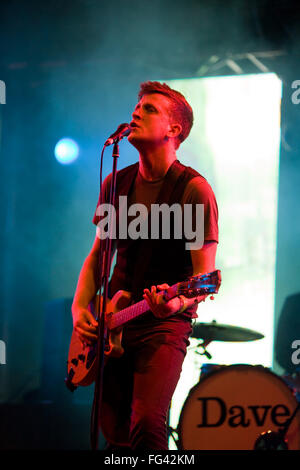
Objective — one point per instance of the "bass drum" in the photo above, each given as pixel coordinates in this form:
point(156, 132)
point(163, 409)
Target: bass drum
point(231, 406)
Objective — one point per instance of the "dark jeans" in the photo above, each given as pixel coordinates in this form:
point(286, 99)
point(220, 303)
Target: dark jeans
point(139, 386)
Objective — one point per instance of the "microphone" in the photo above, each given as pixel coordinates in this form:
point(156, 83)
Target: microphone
point(122, 131)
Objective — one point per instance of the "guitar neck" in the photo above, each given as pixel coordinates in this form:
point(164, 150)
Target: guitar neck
point(196, 285)
point(127, 314)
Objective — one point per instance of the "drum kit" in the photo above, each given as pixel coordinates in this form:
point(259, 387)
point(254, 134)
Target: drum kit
point(238, 407)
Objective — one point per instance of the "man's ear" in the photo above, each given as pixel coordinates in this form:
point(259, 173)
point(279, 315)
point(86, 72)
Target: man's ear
point(174, 130)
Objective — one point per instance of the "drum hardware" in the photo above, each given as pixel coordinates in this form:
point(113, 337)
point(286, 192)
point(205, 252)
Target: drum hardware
point(202, 345)
point(218, 332)
point(272, 440)
point(174, 434)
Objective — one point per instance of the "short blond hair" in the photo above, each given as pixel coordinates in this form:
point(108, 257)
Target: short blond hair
point(180, 108)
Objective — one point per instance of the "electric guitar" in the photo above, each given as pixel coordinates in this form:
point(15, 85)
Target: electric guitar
point(81, 362)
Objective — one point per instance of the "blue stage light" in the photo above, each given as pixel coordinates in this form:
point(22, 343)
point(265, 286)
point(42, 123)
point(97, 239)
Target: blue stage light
point(66, 151)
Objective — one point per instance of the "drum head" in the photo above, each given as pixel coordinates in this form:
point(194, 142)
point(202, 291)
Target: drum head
point(230, 407)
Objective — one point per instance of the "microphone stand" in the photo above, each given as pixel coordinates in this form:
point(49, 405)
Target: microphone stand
point(105, 256)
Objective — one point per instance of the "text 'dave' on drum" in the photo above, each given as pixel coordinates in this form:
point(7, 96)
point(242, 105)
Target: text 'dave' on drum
point(230, 407)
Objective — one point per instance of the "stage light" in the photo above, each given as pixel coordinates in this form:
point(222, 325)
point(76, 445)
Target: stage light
point(66, 151)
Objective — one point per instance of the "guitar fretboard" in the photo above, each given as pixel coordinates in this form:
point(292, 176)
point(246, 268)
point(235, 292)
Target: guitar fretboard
point(197, 285)
point(127, 314)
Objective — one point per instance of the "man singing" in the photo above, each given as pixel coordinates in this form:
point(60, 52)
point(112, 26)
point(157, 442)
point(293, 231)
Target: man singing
point(138, 387)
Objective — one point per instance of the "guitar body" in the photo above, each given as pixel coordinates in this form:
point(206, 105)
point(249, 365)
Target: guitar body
point(82, 359)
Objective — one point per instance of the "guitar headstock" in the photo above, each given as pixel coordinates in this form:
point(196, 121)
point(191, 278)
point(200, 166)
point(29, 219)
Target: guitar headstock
point(208, 283)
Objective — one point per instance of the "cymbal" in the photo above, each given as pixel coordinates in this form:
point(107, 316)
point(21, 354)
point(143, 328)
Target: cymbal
point(217, 332)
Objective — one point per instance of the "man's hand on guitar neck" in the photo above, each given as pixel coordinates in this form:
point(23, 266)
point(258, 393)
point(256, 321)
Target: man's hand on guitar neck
point(162, 309)
point(159, 307)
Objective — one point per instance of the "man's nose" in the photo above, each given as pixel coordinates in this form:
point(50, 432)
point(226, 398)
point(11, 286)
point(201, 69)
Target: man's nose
point(135, 115)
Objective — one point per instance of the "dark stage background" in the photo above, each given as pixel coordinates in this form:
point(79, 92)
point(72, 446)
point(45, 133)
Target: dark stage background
point(73, 68)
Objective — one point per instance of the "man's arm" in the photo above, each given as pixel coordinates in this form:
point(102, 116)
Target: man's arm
point(203, 262)
point(88, 284)
point(204, 259)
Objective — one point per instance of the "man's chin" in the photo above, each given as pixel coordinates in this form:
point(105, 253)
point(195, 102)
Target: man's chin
point(135, 141)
